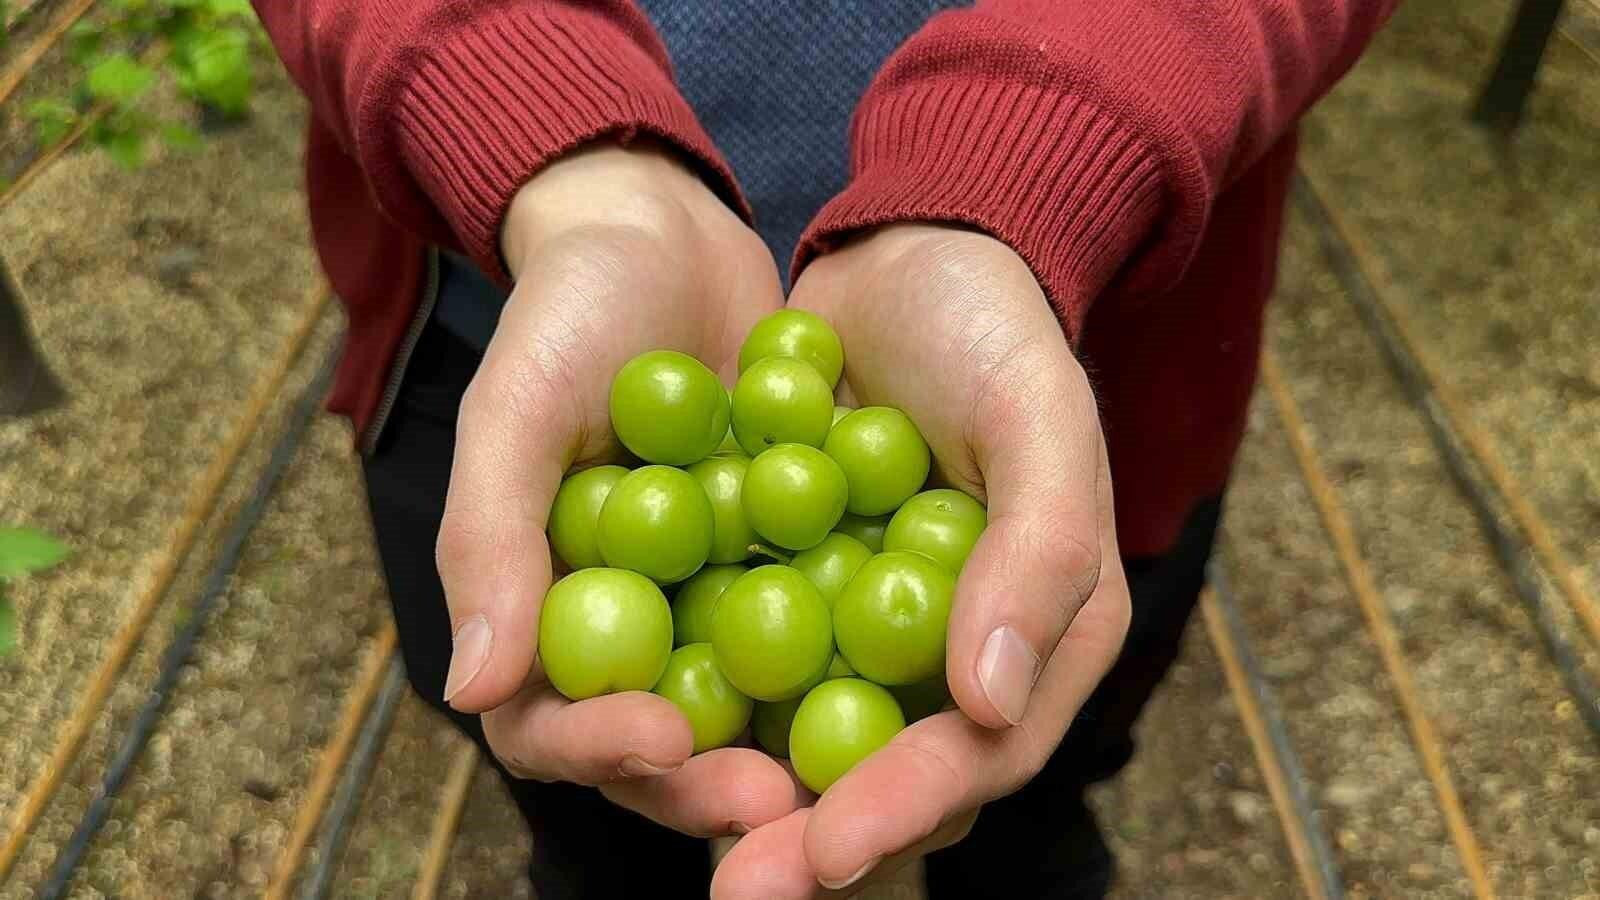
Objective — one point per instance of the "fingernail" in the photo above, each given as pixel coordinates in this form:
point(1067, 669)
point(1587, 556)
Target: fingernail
point(860, 874)
point(634, 767)
point(470, 652)
point(1007, 668)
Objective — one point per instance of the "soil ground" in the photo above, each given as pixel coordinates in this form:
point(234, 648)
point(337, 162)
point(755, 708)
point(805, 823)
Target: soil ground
point(166, 297)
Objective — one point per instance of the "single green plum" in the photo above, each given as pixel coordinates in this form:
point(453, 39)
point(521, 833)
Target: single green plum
point(781, 401)
point(667, 407)
point(884, 458)
point(797, 334)
point(575, 515)
point(731, 534)
point(772, 634)
point(840, 723)
point(866, 529)
point(831, 563)
point(793, 495)
point(696, 599)
point(943, 524)
point(602, 631)
point(770, 723)
point(716, 711)
point(892, 618)
point(657, 521)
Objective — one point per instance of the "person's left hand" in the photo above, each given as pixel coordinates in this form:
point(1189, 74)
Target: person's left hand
point(950, 326)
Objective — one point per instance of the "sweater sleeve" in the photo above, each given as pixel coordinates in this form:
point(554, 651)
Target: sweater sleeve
point(448, 108)
point(1092, 136)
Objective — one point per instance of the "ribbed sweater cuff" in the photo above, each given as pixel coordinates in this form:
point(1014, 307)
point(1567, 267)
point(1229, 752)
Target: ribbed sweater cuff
point(494, 101)
point(1055, 178)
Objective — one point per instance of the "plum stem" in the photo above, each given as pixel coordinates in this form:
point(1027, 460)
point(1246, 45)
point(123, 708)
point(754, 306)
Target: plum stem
point(764, 550)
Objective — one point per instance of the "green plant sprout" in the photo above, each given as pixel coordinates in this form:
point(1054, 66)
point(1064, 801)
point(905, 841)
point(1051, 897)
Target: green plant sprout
point(205, 46)
point(22, 550)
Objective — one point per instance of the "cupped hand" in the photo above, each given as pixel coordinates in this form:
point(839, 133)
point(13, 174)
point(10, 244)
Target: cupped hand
point(614, 251)
point(950, 326)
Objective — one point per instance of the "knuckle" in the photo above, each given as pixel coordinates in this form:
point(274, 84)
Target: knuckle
point(460, 538)
point(1067, 555)
point(1052, 552)
point(505, 747)
point(936, 766)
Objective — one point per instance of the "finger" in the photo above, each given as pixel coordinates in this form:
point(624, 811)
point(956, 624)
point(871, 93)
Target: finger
point(728, 791)
point(1036, 440)
point(541, 735)
point(945, 766)
point(769, 863)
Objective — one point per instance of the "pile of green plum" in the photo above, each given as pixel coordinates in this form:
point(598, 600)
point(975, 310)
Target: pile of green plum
point(812, 573)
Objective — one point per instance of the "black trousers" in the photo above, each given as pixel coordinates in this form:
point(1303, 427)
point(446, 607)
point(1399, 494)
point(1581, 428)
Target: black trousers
point(1043, 837)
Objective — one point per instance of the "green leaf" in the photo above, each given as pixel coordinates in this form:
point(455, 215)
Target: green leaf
point(24, 550)
point(227, 9)
point(84, 40)
point(214, 67)
point(51, 119)
point(126, 147)
point(8, 624)
point(179, 136)
point(119, 78)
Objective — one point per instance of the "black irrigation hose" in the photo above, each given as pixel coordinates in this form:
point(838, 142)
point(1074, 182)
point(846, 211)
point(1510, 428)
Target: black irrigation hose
point(352, 787)
point(1510, 550)
point(1306, 819)
point(178, 652)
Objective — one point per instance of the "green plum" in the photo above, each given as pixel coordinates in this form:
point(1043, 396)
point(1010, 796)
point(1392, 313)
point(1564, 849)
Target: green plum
point(770, 724)
point(891, 619)
point(731, 534)
point(839, 668)
point(866, 529)
point(697, 597)
point(793, 495)
point(717, 712)
point(840, 412)
point(830, 564)
point(923, 699)
point(602, 631)
point(667, 407)
point(798, 334)
point(575, 515)
point(884, 458)
point(840, 723)
point(942, 524)
point(772, 634)
point(657, 521)
point(781, 401)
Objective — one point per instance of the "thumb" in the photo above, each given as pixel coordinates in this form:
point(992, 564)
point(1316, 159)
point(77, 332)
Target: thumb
point(1037, 442)
point(514, 439)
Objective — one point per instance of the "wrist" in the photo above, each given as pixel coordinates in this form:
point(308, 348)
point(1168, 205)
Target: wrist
point(643, 183)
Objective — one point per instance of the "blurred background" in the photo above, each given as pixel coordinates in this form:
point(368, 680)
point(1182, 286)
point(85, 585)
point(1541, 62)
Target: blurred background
point(1391, 691)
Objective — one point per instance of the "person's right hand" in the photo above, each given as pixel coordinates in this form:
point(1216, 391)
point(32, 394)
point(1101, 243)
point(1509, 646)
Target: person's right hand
point(614, 252)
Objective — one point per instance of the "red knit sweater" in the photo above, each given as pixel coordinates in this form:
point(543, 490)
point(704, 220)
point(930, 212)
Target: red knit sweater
point(1135, 152)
